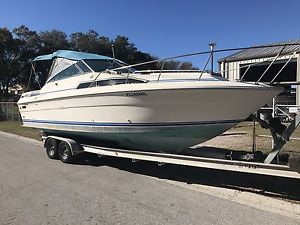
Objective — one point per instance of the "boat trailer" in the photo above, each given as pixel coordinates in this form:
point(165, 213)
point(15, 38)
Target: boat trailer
point(66, 149)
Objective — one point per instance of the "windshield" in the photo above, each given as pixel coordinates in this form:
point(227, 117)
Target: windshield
point(102, 65)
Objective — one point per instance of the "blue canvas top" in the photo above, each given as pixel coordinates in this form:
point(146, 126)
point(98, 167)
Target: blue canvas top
point(73, 55)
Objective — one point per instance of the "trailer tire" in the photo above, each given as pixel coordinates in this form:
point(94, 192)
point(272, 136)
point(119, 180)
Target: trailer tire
point(51, 148)
point(65, 152)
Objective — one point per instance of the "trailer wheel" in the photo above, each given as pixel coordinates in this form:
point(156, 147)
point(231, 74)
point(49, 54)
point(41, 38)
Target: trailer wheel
point(64, 152)
point(51, 148)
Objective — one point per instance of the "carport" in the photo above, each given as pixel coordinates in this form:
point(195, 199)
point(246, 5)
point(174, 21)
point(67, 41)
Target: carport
point(250, 64)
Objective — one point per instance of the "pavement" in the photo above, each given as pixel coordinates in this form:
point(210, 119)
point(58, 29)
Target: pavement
point(37, 190)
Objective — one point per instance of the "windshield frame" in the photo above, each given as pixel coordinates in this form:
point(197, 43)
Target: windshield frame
point(110, 67)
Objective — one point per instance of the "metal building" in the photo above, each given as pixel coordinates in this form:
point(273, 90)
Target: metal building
point(236, 66)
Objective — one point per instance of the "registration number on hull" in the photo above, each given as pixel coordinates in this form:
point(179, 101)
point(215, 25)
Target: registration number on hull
point(135, 94)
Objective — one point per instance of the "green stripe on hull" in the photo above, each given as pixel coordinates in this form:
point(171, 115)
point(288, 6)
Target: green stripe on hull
point(167, 139)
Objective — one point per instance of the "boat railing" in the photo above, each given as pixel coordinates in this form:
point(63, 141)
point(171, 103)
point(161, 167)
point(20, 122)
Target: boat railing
point(211, 53)
point(270, 59)
point(165, 71)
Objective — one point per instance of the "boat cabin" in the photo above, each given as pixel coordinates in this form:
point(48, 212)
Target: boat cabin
point(84, 69)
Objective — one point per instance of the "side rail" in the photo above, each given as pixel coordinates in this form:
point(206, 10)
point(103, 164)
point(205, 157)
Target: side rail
point(282, 52)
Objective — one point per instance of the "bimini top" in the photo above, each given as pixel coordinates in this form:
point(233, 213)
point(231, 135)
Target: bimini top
point(72, 55)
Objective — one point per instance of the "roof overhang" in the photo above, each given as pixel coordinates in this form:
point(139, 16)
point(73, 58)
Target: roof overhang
point(263, 51)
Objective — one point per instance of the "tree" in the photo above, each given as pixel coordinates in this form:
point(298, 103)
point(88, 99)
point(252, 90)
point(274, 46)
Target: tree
point(175, 65)
point(90, 42)
point(52, 41)
point(29, 47)
point(19, 47)
point(127, 52)
point(168, 65)
point(187, 66)
point(124, 50)
point(139, 56)
point(30, 39)
point(9, 56)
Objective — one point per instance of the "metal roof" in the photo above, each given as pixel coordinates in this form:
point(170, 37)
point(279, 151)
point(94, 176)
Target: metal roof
point(73, 55)
point(263, 52)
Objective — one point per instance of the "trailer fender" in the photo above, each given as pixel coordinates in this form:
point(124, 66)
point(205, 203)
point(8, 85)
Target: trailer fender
point(74, 146)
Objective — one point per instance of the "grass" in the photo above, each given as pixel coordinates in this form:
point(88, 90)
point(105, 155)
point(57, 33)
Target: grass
point(265, 143)
point(16, 127)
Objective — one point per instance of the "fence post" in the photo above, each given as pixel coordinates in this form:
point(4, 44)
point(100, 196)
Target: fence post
point(11, 111)
point(6, 109)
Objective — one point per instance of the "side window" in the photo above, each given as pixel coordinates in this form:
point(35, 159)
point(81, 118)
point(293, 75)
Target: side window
point(86, 85)
point(109, 82)
point(66, 73)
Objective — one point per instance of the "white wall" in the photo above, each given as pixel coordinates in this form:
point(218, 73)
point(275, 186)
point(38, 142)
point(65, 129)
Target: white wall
point(298, 80)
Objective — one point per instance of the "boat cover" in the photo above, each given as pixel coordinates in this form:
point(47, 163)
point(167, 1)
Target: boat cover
point(72, 55)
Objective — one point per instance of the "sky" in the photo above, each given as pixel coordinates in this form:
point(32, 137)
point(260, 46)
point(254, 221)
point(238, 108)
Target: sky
point(164, 28)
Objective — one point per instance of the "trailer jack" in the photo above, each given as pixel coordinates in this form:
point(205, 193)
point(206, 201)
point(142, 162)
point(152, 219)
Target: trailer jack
point(280, 133)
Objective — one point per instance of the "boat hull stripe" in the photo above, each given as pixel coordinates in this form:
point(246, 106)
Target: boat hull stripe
point(129, 124)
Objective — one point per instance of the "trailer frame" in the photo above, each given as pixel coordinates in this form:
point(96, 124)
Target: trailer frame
point(184, 160)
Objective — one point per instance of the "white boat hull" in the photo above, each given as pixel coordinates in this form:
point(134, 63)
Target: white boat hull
point(149, 118)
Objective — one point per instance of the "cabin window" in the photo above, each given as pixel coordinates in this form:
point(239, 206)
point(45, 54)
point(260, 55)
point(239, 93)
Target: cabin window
point(118, 81)
point(86, 85)
point(109, 82)
point(66, 73)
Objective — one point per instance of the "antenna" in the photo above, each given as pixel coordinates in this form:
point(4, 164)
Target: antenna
point(113, 51)
point(212, 46)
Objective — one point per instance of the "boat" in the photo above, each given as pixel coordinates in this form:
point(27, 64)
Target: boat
point(97, 99)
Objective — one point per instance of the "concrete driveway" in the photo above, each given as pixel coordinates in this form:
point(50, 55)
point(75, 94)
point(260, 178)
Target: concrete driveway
point(37, 190)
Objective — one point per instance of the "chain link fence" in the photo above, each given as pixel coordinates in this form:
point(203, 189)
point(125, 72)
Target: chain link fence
point(9, 111)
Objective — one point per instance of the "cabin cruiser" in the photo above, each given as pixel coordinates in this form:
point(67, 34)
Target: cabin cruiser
point(97, 99)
